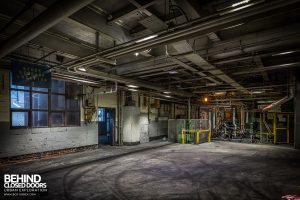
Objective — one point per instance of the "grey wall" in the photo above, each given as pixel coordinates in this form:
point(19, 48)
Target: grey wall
point(158, 128)
point(15, 142)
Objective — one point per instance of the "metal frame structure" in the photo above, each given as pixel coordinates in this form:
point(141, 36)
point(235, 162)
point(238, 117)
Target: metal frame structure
point(275, 127)
point(197, 132)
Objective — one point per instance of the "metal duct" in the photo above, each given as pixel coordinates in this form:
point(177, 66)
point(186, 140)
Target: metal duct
point(280, 101)
point(277, 103)
point(54, 14)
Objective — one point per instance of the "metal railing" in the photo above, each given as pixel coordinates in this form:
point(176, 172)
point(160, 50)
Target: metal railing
point(197, 133)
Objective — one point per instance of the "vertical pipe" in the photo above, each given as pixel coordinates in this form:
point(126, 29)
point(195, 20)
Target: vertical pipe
point(288, 128)
point(182, 136)
point(97, 41)
point(189, 108)
point(118, 117)
point(297, 112)
point(233, 121)
point(274, 128)
point(260, 128)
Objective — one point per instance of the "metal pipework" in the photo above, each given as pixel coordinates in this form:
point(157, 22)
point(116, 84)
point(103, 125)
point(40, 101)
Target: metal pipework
point(120, 79)
point(201, 28)
point(54, 14)
point(281, 101)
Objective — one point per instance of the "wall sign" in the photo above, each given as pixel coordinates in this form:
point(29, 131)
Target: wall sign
point(31, 75)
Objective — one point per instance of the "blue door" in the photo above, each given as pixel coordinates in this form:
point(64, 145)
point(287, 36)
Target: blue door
point(105, 125)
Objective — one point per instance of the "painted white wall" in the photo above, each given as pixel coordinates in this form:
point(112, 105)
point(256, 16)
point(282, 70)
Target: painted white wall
point(131, 127)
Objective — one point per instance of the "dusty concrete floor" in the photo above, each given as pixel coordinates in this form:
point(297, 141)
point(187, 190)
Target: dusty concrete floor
point(217, 170)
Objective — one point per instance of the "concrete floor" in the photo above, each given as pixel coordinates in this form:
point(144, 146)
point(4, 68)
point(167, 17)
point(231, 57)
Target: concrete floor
point(217, 170)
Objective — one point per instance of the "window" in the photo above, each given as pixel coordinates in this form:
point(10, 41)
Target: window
point(39, 119)
point(43, 107)
point(101, 115)
point(40, 101)
point(19, 99)
point(20, 119)
point(57, 119)
point(57, 102)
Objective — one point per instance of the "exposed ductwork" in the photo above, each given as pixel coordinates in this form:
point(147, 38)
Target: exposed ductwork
point(201, 28)
point(54, 14)
point(190, 29)
point(280, 101)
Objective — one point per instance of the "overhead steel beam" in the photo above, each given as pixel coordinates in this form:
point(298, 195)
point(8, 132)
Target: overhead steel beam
point(54, 14)
point(155, 24)
point(196, 27)
point(202, 28)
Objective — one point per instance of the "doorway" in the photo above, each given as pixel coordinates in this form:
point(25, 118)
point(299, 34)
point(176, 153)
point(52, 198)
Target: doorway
point(106, 120)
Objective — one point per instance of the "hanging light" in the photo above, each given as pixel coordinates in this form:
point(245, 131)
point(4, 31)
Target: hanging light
point(81, 69)
point(133, 90)
point(240, 3)
point(146, 38)
point(132, 86)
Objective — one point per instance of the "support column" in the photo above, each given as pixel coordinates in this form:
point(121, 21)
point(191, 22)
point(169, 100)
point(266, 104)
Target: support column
point(297, 114)
point(189, 108)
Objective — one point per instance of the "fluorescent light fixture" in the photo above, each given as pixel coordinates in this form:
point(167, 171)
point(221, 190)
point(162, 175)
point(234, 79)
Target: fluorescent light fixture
point(257, 92)
point(136, 54)
point(167, 92)
point(147, 51)
point(81, 69)
point(173, 72)
point(133, 90)
point(233, 26)
point(242, 7)
point(146, 38)
point(240, 3)
point(220, 93)
point(211, 84)
point(283, 53)
point(132, 86)
point(167, 96)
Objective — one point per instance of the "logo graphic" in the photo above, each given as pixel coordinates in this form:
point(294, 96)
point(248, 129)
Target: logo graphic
point(24, 185)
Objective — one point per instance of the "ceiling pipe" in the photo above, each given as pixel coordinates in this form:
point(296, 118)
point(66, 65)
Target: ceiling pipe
point(203, 27)
point(269, 68)
point(74, 78)
point(281, 101)
point(54, 14)
point(277, 103)
point(125, 80)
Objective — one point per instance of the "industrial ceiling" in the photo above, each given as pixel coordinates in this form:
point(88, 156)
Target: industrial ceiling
point(230, 51)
